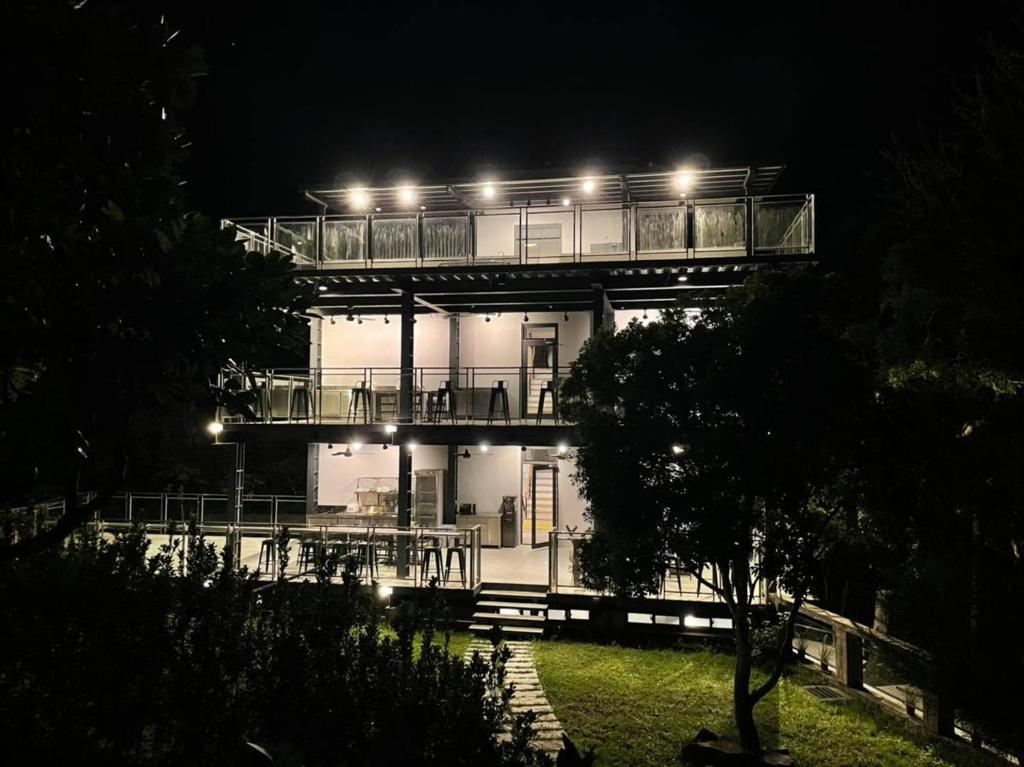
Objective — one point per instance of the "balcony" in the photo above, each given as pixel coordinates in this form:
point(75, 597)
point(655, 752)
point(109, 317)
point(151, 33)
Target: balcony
point(525, 235)
point(492, 396)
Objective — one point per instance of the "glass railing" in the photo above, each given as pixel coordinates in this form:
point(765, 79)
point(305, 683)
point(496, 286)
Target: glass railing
point(384, 555)
point(512, 396)
point(548, 234)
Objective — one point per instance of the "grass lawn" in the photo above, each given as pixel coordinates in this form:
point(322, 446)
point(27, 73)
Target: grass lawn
point(637, 706)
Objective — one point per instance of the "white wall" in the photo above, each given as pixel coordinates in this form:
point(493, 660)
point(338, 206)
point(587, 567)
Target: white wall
point(498, 343)
point(570, 505)
point(485, 478)
point(338, 474)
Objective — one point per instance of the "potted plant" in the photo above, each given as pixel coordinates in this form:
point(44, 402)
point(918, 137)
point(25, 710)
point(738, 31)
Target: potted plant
point(825, 656)
point(801, 647)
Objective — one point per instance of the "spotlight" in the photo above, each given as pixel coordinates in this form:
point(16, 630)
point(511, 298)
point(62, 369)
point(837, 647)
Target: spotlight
point(332, 319)
point(489, 191)
point(487, 318)
point(565, 316)
point(523, 449)
point(683, 181)
point(358, 199)
point(359, 320)
point(588, 186)
point(407, 195)
point(386, 320)
point(215, 428)
point(350, 317)
point(465, 453)
point(645, 312)
point(384, 445)
point(526, 317)
point(330, 446)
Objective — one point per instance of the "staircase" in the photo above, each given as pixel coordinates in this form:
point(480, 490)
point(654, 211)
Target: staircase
point(519, 609)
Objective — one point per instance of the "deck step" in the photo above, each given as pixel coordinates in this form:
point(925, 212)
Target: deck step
point(484, 628)
point(502, 618)
point(509, 594)
point(535, 606)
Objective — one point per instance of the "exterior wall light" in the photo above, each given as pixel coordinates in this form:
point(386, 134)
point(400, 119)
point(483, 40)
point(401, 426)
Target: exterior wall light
point(215, 427)
point(683, 181)
point(358, 199)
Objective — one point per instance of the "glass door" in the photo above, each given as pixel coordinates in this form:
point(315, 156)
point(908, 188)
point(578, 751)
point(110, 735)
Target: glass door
point(540, 370)
point(540, 503)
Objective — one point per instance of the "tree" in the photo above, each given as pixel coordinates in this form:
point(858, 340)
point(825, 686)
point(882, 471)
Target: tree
point(951, 373)
point(723, 440)
point(118, 299)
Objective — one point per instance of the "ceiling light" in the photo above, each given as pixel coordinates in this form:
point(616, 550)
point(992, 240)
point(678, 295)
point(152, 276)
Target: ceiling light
point(358, 199)
point(215, 427)
point(423, 207)
point(377, 209)
point(566, 202)
point(410, 446)
point(562, 448)
point(407, 195)
point(357, 445)
point(483, 447)
point(588, 186)
point(321, 288)
point(489, 191)
point(682, 278)
point(683, 181)
point(390, 428)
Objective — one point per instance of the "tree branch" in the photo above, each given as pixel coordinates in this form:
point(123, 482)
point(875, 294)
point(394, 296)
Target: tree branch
point(785, 644)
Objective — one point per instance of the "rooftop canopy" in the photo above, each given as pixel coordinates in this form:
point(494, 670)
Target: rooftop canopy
point(566, 190)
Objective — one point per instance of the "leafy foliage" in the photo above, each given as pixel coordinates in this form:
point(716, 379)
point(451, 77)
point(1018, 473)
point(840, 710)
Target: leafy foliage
point(171, 659)
point(726, 441)
point(117, 299)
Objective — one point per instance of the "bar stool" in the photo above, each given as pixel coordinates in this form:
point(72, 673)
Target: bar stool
point(308, 548)
point(360, 396)
point(499, 397)
point(548, 388)
point(367, 555)
point(444, 403)
point(459, 550)
point(301, 404)
point(268, 549)
point(431, 551)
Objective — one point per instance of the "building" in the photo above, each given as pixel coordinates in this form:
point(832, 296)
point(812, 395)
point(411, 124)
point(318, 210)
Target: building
point(444, 318)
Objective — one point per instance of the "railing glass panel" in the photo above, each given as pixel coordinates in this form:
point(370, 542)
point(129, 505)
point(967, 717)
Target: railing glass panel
point(661, 230)
point(495, 235)
point(344, 242)
point(783, 227)
point(604, 232)
point(395, 240)
point(550, 236)
point(446, 238)
point(720, 227)
point(299, 239)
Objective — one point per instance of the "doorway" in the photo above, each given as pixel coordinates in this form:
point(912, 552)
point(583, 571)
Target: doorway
point(540, 502)
point(540, 366)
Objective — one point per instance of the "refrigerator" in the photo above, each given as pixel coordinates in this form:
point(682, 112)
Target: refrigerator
point(509, 521)
point(428, 497)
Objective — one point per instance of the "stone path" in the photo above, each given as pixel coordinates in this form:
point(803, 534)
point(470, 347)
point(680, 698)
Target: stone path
point(529, 695)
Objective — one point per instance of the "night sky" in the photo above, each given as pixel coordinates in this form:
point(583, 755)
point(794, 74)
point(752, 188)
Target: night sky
point(302, 94)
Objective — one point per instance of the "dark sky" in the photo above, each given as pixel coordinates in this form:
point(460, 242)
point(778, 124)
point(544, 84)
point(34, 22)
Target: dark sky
point(302, 94)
